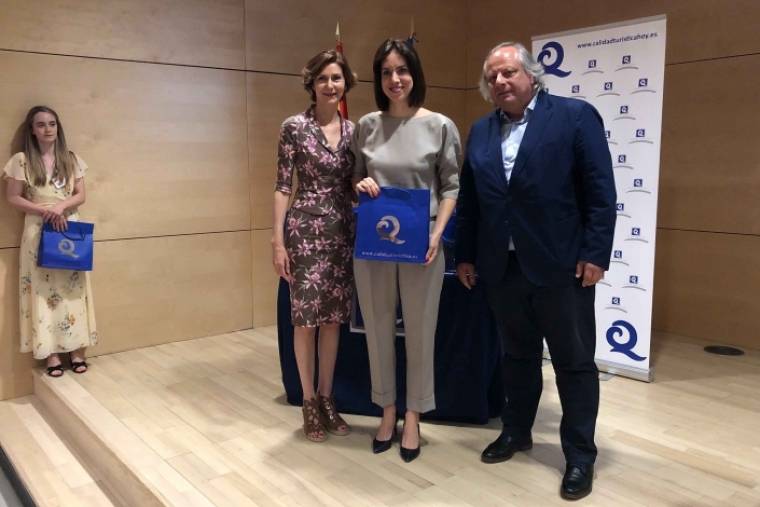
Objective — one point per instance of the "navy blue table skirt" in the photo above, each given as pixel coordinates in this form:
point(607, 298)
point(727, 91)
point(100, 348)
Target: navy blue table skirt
point(468, 384)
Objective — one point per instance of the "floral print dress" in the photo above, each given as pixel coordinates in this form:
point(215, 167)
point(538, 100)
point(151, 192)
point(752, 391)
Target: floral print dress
point(56, 312)
point(321, 227)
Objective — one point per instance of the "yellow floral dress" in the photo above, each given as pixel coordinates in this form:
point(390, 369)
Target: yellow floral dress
point(55, 305)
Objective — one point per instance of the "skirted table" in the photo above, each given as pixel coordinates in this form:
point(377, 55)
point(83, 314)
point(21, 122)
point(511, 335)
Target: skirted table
point(468, 385)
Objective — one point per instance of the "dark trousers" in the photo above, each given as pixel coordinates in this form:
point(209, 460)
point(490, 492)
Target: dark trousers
point(564, 316)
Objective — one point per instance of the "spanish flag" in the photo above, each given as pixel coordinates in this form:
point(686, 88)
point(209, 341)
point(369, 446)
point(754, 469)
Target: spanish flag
point(343, 106)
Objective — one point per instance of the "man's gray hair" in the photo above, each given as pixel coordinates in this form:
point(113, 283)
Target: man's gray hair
point(532, 68)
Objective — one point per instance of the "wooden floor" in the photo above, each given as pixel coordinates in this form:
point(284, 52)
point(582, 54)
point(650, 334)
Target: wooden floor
point(206, 424)
point(50, 466)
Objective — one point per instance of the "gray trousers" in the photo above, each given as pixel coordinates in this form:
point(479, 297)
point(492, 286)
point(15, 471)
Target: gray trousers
point(378, 285)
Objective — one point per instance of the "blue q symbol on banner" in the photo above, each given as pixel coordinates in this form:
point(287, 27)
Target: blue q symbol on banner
point(592, 64)
point(638, 183)
point(625, 348)
point(643, 82)
point(389, 222)
point(626, 59)
point(553, 68)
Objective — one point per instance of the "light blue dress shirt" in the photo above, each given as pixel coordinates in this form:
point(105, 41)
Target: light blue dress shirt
point(512, 133)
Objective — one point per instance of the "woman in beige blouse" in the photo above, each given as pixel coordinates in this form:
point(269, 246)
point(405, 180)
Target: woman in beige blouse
point(404, 146)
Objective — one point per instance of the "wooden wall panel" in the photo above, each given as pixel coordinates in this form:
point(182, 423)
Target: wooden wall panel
point(265, 280)
point(272, 98)
point(183, 158)
point(451, 103)
point(282, 36)
point(476, 107)
point(697, 29)
point(160, 290)
point(706, 286)
point(166, 144)
point(192, 32)
point(15, 367)
point(11, 220)
point(710, 165)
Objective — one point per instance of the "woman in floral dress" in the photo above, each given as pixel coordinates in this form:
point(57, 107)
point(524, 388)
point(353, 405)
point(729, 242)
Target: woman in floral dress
point(315, 253)
point(46, 181)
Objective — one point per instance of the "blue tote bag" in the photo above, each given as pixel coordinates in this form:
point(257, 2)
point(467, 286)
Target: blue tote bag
point(394, 226)
point(70, 249)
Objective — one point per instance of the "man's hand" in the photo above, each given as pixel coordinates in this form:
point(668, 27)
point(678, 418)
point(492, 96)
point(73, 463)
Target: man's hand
point(590, 273)
point(466, 274)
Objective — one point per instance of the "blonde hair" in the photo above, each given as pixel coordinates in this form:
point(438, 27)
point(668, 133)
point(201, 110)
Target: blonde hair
point(64, 159)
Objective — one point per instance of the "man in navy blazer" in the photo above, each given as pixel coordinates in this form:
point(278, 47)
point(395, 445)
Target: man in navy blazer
point(536, 215)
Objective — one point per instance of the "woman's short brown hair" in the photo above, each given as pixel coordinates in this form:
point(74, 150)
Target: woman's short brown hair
point(317, 64)
point(407, 52)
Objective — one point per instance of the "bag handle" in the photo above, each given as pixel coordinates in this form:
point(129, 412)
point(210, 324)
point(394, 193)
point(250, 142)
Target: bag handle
point(81, 235)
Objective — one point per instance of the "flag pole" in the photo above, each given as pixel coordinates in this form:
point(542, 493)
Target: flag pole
point(412, 34)
point(343, 106)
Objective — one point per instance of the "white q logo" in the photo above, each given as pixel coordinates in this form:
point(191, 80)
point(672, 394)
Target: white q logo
point(66, 247)
point(385, 224)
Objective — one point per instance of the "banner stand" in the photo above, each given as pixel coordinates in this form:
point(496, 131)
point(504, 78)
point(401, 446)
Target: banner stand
point(644, 375)
point(620, 70)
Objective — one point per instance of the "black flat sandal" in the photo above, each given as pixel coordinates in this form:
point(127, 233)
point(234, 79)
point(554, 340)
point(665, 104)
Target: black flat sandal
point(51, 369)
point(78, 364)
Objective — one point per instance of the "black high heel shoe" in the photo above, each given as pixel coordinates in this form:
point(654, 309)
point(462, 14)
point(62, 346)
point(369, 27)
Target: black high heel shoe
point(379, 446)
point(409, 455)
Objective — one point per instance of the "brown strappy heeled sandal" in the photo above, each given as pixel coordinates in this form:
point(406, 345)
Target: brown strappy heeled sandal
point(312, 421)
point(330, 417)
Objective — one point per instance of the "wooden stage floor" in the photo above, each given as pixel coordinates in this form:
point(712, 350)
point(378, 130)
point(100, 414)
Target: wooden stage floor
point(204, 423)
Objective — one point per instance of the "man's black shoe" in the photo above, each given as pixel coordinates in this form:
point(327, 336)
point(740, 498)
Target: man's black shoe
point(577, 482)
point(504, 448)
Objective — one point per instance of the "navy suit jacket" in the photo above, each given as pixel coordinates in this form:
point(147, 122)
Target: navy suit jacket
point(559, 205)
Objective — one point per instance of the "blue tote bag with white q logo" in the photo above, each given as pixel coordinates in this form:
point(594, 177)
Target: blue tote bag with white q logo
point(70, 249)
point(394, 226)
